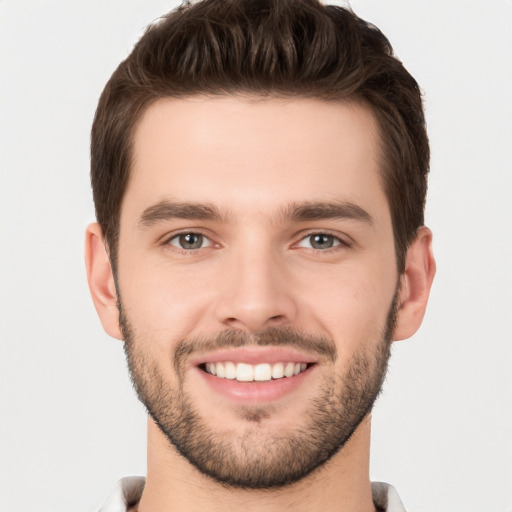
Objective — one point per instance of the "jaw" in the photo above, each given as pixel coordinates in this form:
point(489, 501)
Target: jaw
point(343, 478)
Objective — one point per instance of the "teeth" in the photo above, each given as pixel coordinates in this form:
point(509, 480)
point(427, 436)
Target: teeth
point(262, 372)
point(243, 372)
point(288, 369)
point(230, 370)
point(278, 371)
point(221, 372)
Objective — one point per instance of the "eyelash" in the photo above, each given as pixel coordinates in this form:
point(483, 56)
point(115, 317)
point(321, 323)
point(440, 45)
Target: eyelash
point(340, 242)
point(166, 242)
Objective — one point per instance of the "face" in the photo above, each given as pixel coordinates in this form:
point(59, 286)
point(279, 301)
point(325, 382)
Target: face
point(257, 281)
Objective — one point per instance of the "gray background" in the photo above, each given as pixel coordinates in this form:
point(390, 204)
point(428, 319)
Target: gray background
point(70, 425)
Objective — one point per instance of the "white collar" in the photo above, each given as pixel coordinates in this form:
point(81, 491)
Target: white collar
point(128, 491)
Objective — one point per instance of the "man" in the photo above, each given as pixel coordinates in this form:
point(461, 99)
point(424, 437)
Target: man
point(259, 175)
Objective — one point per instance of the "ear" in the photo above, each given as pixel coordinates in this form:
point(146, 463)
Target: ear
point(415, 284)
point(101, 280)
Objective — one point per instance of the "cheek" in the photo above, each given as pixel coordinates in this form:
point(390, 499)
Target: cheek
point(352, 308)
point(164, 299)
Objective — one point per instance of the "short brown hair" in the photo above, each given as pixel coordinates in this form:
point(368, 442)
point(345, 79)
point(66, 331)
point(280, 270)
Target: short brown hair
point(283, 48)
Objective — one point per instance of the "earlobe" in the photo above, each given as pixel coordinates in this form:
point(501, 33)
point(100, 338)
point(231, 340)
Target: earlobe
point(415, 284)
point(101, 280)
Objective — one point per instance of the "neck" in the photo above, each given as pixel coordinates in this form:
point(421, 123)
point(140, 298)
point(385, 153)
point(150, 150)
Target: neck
point(342, 484)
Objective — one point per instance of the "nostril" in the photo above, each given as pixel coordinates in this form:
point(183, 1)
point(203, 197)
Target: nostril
point(252, 318)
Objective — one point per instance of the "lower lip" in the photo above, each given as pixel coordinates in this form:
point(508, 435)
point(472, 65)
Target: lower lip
point(256, 392)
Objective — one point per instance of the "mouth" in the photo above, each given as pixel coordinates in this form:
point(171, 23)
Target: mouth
point(262, 372)
point(254, 374)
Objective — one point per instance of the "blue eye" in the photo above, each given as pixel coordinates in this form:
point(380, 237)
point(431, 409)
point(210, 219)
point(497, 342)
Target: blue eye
point(189, 241)
point(320, 241)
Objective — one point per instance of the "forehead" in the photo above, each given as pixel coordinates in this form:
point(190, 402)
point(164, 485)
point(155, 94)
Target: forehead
point(252, 153)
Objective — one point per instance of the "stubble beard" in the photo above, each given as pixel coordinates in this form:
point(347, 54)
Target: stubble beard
point(254, 459)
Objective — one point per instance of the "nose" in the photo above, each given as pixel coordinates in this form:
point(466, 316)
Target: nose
point(256, 292)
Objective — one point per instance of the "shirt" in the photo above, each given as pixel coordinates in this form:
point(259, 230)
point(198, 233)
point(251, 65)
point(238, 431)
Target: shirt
point(128, 491)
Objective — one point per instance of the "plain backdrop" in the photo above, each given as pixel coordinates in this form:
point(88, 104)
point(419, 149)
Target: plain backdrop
point(70, 425)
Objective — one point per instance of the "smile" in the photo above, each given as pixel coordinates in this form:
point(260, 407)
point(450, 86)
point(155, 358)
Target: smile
point(243, 372)
point(255, 374)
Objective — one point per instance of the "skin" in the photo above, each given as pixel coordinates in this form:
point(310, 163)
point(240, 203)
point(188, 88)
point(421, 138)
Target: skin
point(251, 159)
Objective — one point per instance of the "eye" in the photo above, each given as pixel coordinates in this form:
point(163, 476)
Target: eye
point(190, 241)
point(320, 241)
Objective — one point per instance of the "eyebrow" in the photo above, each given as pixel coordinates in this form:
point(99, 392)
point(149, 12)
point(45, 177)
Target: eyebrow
point(294, 212)
point(166, 210)
point(309, 211)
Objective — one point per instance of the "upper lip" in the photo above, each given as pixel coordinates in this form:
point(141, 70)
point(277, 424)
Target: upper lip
point(253, 355)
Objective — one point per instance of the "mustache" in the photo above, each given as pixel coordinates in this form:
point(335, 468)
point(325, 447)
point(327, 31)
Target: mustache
point(272, 337)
